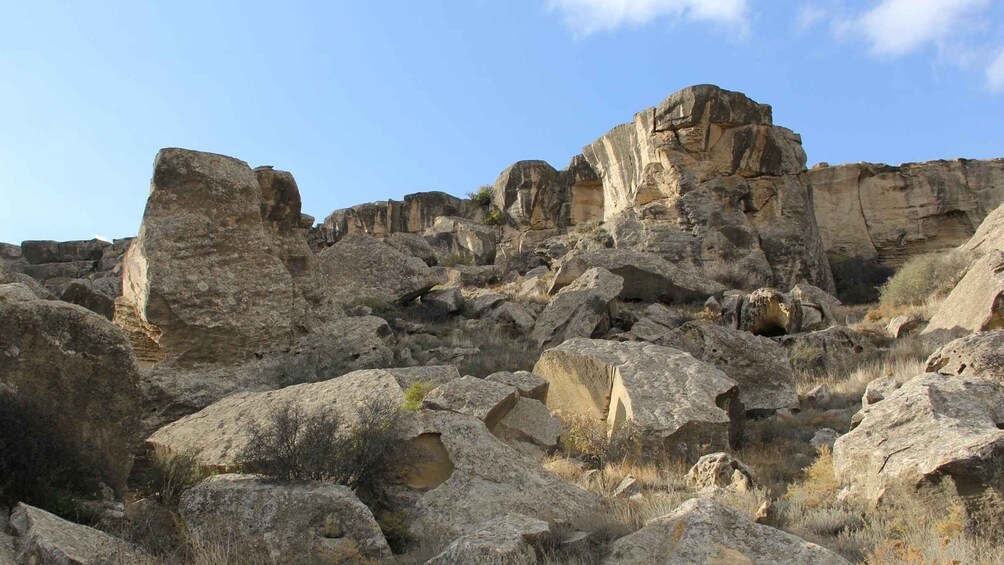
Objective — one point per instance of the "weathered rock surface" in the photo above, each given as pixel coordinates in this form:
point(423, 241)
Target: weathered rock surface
point(90, 295)
point(448, 300)
point(688, 405)
point(486, 400)
point(46, 539)
point(894, 213)
point(529, 422)
point(828, 350)
point(706, 178)
point(513, 317)
point(818, 306)
point(579, 309)
point(507, 539)
point(902, 326)
point(465, 477)
point(294, 522)
point(647, 276)
point(7, 553)
point(77, 368)
point(877, 390)
point(201, 278)
point(769, 312)
point(757, 364)
point(415, 214)
point(719, 471)
point(977, 303)
point(703, 532)
point(527, 383)
point(413, 244)
point(933, 426)
point(979, 355)
point(284, 223)
point(217, 434)
point(452, 236)
point(990, 235)
point(361, 268)
point(8, 276)
point(824, 438)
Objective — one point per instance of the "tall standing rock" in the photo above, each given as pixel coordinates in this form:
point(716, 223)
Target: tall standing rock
point(705, 177)
point(288, 227)
point(203, 280)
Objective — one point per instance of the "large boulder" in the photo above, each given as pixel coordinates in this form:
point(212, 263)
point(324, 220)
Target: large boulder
point(759, 365)
point(828, 351)
point(284, 223)
point(931, 427)
point(217, 434)
point(46, 539)
point(304, 522)
point(703, 531)
point(508, 539)
point(647, 276)
point(10, 276)
point(579, 309)
point(769, 312)
point(460, 237)
point(707, 179)
point(719, 471)
point(979, 355)
point(202, 278)
point(686, 405)
point(76, 368)
point(486, 400)
point(361, 268)
point(892, 213)
point(90, 295)
point(990, 235)
point(456, 476)
point(532, 194)
point(977, 303)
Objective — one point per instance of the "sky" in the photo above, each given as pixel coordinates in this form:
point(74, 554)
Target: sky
point(365, 100)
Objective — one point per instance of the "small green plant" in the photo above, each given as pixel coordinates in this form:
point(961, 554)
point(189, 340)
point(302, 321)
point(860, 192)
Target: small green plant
point(923, 277)
point(494, 218)
point(482, 196)
point(414, 394)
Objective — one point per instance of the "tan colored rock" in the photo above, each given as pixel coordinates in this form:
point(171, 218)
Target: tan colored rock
point(758, 365)
point(901, 326)
point(529, 421)
point(486, 400)
point(768, 312)
point(976, 304)
point(706, 178)
point(509, 539)
point(201, 278)
point(878, 389)
point(990, 235)
point(827, 351)
point(76, 368)
point(579, 309)
point(302, 522)
point(720, 471)
point(533, 194)
point(415, 214)
point(459, 236)
point(528, 384)
point(46, 539)
point(217, 434)
point(361, 268)
point(284, 223)
point(893, 213)
point(932, 426)
point(980, 355)
point(705, 532)
point(688, 405)
point(647, 277)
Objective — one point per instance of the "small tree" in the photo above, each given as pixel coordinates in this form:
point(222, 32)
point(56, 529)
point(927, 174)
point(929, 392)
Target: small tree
point(482, 196)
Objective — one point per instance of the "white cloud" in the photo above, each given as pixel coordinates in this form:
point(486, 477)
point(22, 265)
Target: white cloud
point(589, 16)
point(898, 27)
point(995, 73)
point(809, 15)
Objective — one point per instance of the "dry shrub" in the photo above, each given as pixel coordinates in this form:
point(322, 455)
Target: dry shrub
point(597, 444)
point(169, 475)
point(924, 276)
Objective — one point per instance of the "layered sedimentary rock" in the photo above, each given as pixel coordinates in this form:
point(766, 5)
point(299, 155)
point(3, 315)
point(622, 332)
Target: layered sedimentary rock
point(203, 281)
point(414, 214)
point(536, 196)
point(893, 213)
point(706, 178)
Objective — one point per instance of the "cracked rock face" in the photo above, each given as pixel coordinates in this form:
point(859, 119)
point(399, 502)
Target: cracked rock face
point(932, 426)
point(706, 178)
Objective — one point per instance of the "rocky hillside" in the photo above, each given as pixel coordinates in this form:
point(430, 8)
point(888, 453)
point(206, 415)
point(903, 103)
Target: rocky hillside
point(636, 359)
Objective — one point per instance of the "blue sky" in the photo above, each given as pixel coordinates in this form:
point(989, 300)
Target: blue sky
point(365, 100)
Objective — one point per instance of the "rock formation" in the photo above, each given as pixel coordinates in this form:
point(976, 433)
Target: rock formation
point(893, 213)
point(578, 310)
point(979, 355)
point(977, 302)
point(46, 539)
point(415, 214)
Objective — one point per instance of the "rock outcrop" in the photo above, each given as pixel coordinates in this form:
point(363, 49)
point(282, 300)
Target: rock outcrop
point(291, 523)
point(578, 310)
point(702, 532)
point(931, 427)
point(202, 281)
point(891, 213)
point(977, 303)
point(76, 370)
point(706, 178)
point(46, 539)
point(980, 355)
point(459, 237)
point(508, 539)
point(361, 268)
point(415, 214)
point(720, 471)
point(688, 406)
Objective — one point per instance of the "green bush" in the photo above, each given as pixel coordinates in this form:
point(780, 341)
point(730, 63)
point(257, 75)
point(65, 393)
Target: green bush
point(38, 466)
point(857, 279)
point(482, 196)
point(292, 446)
point(924, 276)
point(494, 218)
point(415, 394)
